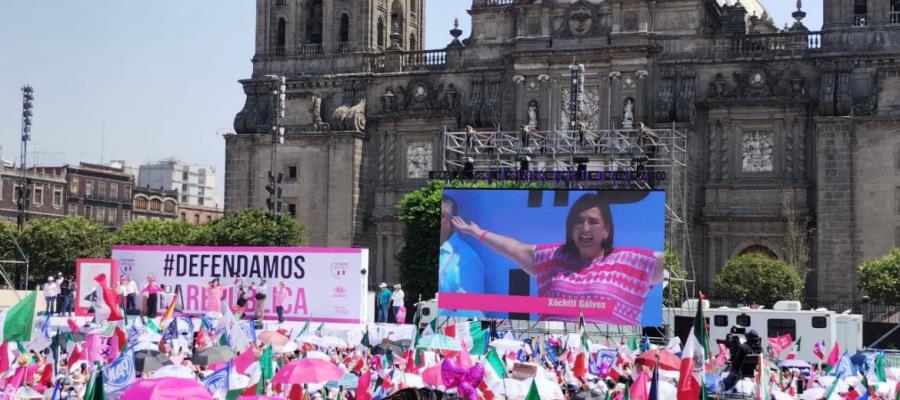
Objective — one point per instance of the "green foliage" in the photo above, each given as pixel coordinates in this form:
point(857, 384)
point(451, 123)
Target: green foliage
point(420, 212)
point(154, 231)
point(756, 278)
point(254, 227)
point(53, 244)
point(674, 291)
point(880, 278)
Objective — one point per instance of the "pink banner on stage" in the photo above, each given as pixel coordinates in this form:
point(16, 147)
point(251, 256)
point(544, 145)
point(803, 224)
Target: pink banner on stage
point(525, 304)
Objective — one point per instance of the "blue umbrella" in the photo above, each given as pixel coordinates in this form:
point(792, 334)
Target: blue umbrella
point(348, 381)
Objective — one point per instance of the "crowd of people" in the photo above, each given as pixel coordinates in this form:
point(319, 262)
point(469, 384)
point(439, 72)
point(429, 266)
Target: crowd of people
point(389, 304)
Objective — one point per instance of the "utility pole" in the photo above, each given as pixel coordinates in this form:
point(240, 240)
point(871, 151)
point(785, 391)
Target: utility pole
point(279, 97)
point(24, 194)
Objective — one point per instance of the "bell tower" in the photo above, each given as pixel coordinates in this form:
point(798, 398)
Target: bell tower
point(311, 27)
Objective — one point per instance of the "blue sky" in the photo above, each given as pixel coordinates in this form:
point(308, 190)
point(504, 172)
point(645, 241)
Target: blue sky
point(148, 80)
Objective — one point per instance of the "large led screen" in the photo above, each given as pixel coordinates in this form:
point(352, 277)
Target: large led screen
point(552, 255)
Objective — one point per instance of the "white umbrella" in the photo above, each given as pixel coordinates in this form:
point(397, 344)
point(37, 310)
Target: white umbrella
point(174, 371)
point(511, 388)
point(310, 339)
point(332, 341)
point(149, 337)
point(236, 380)
point(410, 380)
point(546, 389)
point(318, 354)
point(287, 348)
point(504, 345)
point(667, 390)
point(146, 346)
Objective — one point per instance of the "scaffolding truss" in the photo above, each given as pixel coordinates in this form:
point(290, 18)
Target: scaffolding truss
point(623, 150)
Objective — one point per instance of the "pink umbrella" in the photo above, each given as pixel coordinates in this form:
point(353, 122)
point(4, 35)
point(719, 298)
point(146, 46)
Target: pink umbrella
point(307, 370)
point(259, 397)
point(432, 375)
point(273, 337)
point(166, 389)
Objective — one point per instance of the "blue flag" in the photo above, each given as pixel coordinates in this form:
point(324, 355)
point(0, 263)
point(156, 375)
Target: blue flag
point(843, 368)
point(654, 384)
point(171, 331)
point(249, 330)
point(132, 335)
point(645, 343)
point(217, 382)
point(55, 395)
point(551, 353)
point(119, 374)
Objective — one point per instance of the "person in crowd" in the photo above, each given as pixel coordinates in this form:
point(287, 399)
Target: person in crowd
point(66, 290)
point(119, 290)
point(280, 301)
point(260, 298)
point(384, 303)
point(585, 266)
point(50, 292)
point(397, 298)
point(151, 290)
point(214, 294)
point(131, 290)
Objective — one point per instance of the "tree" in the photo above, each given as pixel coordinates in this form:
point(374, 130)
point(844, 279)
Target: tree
point(756, 278)
point(254, 227)
point(880, 278)
point(53, 244)
point(9, 237)
point(797, 234)
point(420, 212)
point(673, 292)
point(153, 231)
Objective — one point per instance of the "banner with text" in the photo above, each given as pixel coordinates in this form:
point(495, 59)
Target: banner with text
point(552, 255)
point(320, 284)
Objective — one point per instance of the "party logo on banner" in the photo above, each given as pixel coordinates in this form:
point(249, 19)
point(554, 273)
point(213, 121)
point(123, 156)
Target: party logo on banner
point(120, 373)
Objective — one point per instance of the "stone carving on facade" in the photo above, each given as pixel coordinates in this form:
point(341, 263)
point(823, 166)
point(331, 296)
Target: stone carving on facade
point(685, 103)
point(757, 83)
point(315, 112)
point(258, 113)
point(757, 150)
point(630, 21)
point(350, 118)
point(718, 87)
point(628, 114)
point(418, 159)
point(420, 96)
point(533, 114)
point(582, 20)
point(665, 97)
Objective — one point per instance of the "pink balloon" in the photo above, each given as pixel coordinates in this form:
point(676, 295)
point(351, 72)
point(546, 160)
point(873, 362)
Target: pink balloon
point(475, 374)
point(466, 391)
point(452, 374)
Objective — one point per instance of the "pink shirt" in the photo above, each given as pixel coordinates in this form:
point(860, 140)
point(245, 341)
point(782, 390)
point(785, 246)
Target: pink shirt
point(621, 279)
point(280, 296)
point(150, 289)
point(214, 299)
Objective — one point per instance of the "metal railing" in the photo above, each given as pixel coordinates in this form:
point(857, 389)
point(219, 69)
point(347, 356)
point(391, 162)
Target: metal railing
point(491, 3)
point(310, 48)
point(426, 59)
point(776, 42)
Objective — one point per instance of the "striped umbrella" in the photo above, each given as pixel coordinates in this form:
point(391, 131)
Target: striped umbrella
point(438, 342)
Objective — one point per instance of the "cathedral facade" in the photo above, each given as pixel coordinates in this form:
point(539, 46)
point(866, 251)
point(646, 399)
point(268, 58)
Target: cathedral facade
point(793, 135)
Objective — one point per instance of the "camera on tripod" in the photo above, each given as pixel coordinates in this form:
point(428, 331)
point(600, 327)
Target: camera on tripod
point(744, 347)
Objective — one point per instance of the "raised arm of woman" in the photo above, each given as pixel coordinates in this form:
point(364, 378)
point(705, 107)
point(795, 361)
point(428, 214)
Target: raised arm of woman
point(521, 253)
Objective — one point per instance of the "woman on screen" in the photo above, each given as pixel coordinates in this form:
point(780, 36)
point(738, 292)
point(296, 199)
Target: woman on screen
point(586, 266)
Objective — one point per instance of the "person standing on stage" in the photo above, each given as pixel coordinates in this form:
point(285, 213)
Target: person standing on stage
point(260, 299)
point(241, 295)
point(280, 299)
point(384, 303)
point(131, 290)
point(152, 291)
point(214, 292)
point(50, 293)
point(397, 301)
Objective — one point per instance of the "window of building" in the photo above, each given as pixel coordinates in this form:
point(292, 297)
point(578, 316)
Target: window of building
point(281, 36)
point(314, 22)
point(292, 172)
point(778, 327)
point(73, 208)
point(380, 29)
point(57, 198)
point(170, 206)
point(89, 212)
point(111, 216)
point(742, 320)
point(101, 190)
point(184, 188)
point(196, 218)
point(183, 216)
point(345, 28)
point(38, 196)
point(208, 219)
point(720, 320)
point(127, 193)
point(126, 216)
point(292, 209)
point(184, 199)
point(73, 185)
point(861, 12)
point(819, 322)
point(101, 214)
point(140, 203)
point(114, 191)
point(200, 201)
point(185, 173)
point(155, 205)
point(895, 11)
point(89, 188)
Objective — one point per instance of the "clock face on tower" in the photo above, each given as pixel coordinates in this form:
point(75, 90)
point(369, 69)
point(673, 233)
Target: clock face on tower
point(418, 159)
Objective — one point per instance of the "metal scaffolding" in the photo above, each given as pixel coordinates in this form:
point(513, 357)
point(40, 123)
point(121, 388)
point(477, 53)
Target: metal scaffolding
point(627, 150)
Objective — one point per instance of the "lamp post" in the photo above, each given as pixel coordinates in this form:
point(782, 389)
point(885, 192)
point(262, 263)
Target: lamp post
point(273, 186)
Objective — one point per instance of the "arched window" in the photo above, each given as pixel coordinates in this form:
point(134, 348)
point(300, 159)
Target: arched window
point(397, 22)
point(345, 28)
point(281, 36)
point(140, 203)
point(314, 22)
point(155, 204)
point(761, 250)
point(170, 206)
point(413, 43)
point(380, 32)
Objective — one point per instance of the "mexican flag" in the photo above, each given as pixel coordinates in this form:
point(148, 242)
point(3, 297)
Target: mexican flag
point(471, 334)
point(17, 321)
point(693, 359)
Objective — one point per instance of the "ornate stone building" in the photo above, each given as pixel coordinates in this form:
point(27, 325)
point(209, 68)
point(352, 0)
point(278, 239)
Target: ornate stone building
point(782, 122)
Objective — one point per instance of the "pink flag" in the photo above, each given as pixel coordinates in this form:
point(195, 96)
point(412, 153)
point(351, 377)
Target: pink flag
point(779, 343)
point(818, 351)
point(72, 325)
point(464, 358)
point(4, 358)
point(638, 390)
point(101, 348)
point(722, 355)
point(244, 359)
point(834, 355)
point(75, 356)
